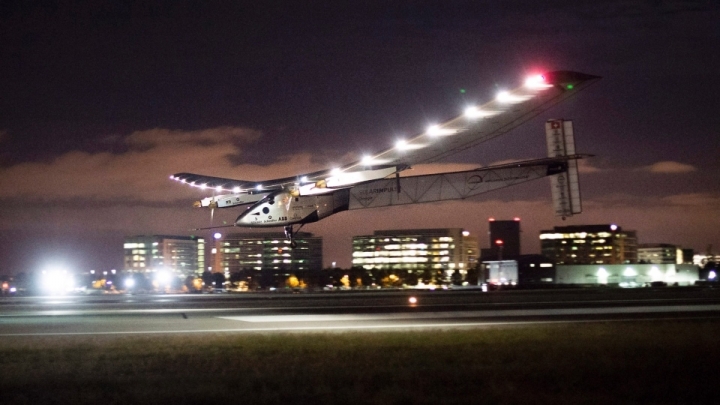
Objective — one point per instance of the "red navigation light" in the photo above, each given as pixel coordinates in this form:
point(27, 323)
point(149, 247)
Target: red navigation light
point(499, 242)
point(491, 219)
point(516, 219)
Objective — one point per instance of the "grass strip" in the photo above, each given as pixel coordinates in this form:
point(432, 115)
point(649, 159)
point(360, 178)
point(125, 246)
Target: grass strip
point(659, 362)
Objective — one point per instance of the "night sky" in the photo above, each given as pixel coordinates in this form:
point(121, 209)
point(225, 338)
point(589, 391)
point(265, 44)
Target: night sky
point(100, 103)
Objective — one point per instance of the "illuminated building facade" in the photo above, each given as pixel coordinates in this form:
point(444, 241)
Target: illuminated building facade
point(266, 251)
point(660, 253)
point(445, 249)
point(628, 275)
point(183, 255)
point(589, 244)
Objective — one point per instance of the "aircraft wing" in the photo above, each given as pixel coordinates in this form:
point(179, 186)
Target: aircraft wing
point(482, 123)
point(478, 124)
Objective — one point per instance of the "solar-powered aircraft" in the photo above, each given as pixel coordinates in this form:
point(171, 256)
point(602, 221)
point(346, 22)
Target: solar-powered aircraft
point(375, 181)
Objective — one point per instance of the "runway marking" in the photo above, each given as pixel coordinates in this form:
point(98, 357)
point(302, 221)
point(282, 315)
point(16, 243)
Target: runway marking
point(471, 314)
point(69, 312)
point(347, 327)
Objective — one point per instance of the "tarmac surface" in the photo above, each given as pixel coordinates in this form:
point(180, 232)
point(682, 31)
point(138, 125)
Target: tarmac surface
point(344, 311)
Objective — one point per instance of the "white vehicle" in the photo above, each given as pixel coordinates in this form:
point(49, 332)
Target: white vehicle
point(375, 180)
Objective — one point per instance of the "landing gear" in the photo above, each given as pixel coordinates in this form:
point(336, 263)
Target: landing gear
point(290, 235)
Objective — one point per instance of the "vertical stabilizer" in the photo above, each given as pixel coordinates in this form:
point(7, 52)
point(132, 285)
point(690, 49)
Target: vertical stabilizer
point(565, 186)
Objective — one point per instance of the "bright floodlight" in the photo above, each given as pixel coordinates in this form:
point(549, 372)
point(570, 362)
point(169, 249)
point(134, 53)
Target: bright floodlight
point(57, 280)
point(236, 189)
point(217, 235)
point(401, 144)
point(162, 277)
point(129, 282)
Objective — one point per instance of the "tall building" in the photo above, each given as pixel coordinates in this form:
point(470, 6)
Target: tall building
point(589, 244)
point(445, 249)
point(504, 235)
point(266, 251)
point(183, 255)
point(660, 253)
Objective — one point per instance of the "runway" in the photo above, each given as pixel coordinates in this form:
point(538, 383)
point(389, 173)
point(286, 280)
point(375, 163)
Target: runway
point(117, 315)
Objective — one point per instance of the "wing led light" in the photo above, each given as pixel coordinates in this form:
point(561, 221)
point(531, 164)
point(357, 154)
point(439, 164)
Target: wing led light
point(536, 82)
point(436, 130)
point(367, 160)
point(218, 188)
point(236, 189)
point(474, 112)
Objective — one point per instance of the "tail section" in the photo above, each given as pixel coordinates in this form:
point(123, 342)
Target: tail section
point(565, 186)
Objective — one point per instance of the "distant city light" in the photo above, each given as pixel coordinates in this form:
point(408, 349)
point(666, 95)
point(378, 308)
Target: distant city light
point(613, 227)
point(129, 283)
point(412, 300)
point(712, 275)
point(217, 235)
point(516, 219)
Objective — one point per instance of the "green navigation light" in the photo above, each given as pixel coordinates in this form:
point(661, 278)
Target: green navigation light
point(570, 86)
point(462, 91)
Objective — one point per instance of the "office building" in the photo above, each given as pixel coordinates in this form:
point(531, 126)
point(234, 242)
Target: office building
point(182, 255)
point(589, 244)
point(504, 239)
point(446, 249)
point(266, 251)
point(660, 253)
